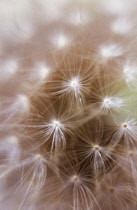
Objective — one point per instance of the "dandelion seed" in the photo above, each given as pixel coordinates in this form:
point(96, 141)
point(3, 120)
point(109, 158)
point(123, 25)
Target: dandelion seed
point(56, 124)
point(126, 130)
point(8, 68)
point(108, 104)
point(11, 67)
point(111, 51)
point(115, 191)
point(130, 72)
point(56, 132)
point(130, 75)
point(40, 72)
point(112, 103)
point(61, 41)
point(10, 147)
point(74, 83)
point(111, 189)
point(130, 153)
point(76, 184)
point(118, 7)
point(96, 147)
point(106, 101)
point(75, 178)
point(121, 26)
point(43, 72)
point(26, 29)
point(39, 157)
point(78, 17)
point(23, 102)
point(74, 86)
point(124, 125)
point(13, 140)
point(35, 174)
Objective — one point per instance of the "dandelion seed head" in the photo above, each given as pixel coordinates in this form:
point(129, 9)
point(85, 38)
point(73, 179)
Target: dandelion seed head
point(73, 114)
